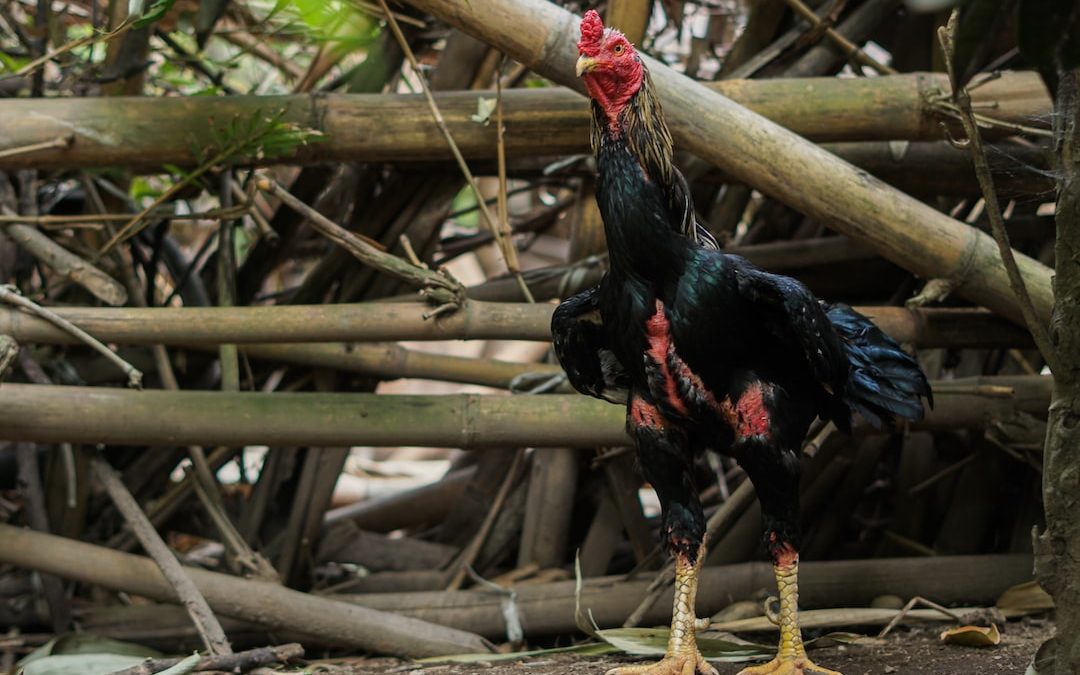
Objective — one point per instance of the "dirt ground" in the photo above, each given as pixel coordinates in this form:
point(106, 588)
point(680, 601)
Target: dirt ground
point(916, 651)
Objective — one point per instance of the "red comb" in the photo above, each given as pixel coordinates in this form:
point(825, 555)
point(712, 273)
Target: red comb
point(592, 34)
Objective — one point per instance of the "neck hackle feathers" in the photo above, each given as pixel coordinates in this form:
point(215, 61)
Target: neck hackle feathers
point(625, 105)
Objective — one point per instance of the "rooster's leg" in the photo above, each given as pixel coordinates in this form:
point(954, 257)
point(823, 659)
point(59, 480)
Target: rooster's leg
point(666, 461)
point(791, 656)
point(775, 474)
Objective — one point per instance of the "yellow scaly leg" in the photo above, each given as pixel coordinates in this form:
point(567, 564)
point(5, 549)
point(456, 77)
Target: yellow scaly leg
point(791, 655)
point(682, 656)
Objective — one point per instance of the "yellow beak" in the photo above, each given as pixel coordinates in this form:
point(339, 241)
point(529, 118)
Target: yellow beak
point(585, 65)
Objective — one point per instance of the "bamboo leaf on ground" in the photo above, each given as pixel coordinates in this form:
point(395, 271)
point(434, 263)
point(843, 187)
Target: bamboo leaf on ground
point(972, 636)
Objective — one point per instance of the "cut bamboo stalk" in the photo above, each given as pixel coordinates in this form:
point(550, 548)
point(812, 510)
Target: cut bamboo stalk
point(392, 361)
point(410, 508)
point(268, 604)
point(546, 609)
point(51, 414)
point(383, 322)
point(145, 132)
point(772, 159)
point(546, 530)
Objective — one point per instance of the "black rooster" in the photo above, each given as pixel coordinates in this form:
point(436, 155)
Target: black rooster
point(708, 351)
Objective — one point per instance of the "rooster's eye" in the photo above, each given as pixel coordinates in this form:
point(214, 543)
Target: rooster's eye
point(618, 49)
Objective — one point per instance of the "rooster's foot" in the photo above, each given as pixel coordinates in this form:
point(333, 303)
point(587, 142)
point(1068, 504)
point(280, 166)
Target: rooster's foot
point(682, 663)
point(791, 665)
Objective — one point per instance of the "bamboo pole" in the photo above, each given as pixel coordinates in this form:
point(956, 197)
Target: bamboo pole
point(391, 361)
point(147, 132)
point(265, 603)
point(50, 414)
point(770, 158)
point(547, 609)
point(391, 321)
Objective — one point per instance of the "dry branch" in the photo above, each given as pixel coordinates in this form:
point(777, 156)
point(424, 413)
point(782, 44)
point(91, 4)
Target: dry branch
point(766, 156)
point(440, 286)
point(234, 663)
point(426, 503)
point(268, 604)
point(145, 132)
point(68, 265)
point(385, 321)
point(180, 582)
point(49, 414)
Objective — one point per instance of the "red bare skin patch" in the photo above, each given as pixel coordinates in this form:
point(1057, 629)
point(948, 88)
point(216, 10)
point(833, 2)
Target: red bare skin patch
point(645, 415)
point(658, 333)
point(783, 554)
point(749, 416)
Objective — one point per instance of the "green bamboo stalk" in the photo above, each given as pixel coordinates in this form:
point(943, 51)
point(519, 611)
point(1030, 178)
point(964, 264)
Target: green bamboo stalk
point(51, 414)
point(146, 132)
point(390, 321)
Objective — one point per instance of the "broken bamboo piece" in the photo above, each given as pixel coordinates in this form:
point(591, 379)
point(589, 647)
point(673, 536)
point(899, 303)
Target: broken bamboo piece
point(390, 321)
point(267, 604)
point(49, 414)
point(143, 132)
point(772, 159)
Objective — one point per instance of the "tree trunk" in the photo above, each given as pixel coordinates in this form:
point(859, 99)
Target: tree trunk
point(1058, 547)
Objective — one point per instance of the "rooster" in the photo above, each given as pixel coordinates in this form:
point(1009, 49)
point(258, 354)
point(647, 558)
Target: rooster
point(708, 352)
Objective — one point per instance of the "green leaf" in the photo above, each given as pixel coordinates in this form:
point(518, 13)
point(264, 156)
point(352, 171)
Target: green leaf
point(153, 13)
point(88, 643)
point(80, 664)
point(11, 63)
point(84, 654)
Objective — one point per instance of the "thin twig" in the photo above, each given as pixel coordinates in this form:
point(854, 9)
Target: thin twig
point(206, 623)
point(944, 473)
point(11, 295)
point(917, 600)
point(440, 286)
point(493, 224)
point(64, 49)
point(468, 556)
point(88, 220)
point(230, 663)
point(375, 10)
point(64, 141)
point(505, 238)
point(993, 210)
point(850, 49)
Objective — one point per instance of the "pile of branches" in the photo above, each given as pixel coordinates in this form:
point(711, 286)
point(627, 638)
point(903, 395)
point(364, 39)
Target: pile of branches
point(205, 293)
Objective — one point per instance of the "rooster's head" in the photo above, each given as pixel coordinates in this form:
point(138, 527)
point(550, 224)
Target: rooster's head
point(609, 65)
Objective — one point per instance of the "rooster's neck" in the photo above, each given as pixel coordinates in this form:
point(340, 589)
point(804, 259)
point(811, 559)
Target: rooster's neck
point(640, 125)
point(637, 216)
